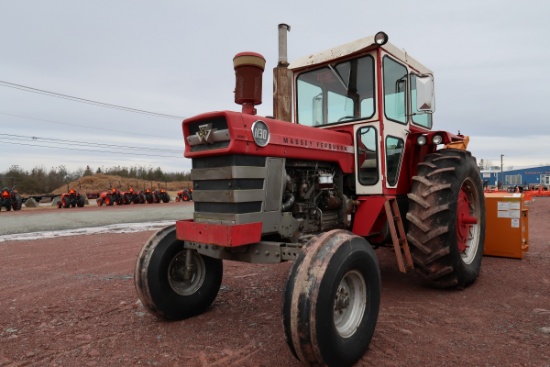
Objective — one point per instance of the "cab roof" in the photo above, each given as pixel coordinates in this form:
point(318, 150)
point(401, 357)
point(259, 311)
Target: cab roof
point(360, 46)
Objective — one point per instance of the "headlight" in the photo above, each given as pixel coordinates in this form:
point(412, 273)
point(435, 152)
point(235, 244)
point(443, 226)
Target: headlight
point(437, 139)
point(421, 140)
point(381, 38)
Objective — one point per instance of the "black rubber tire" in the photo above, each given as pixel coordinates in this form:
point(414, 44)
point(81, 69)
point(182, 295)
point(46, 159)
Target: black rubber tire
point(331, 264)
point(166, 198)
point(109, 200)
point(80, 201)
point(17, 204)
point(65, 203)
point(448, 182)
point(153, 283)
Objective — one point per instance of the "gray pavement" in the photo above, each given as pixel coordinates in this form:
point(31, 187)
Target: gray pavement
point(75, 218)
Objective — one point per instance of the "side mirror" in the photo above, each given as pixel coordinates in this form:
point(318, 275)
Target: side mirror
point(425, 95)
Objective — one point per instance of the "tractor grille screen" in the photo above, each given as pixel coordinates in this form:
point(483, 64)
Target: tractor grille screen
point(231, 184)
point(225, 208)
point(229, 160)
point(234, 184)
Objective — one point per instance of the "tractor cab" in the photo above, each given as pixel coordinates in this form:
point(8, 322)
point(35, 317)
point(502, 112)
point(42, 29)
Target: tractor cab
point(373, 90)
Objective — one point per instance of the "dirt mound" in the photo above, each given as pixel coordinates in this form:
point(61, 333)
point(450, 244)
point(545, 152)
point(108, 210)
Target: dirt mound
point(100, 182)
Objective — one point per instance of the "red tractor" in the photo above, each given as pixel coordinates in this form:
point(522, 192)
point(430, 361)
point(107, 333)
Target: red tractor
point(184, 195)
point(71, 199)
point(112, 197)
point(359, 167)
point(161, 196)
point(10, 199)
point(133, 197)
point(150, 196)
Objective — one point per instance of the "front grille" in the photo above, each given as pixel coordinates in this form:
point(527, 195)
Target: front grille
point(232, 208)
point(237, 189)
point(229, 160)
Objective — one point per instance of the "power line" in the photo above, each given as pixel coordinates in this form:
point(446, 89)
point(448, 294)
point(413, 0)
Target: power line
point(89, 150)
point(86, 101)
point(82, 126)
point(90, 144)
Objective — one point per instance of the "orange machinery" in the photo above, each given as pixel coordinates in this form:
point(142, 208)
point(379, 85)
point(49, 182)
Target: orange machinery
point(507, 221)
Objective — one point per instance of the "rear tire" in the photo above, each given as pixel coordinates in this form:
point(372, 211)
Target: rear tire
point(18, 203)
point(332, 299)
point(80, 201)
point(447, 219)
point(160, 281)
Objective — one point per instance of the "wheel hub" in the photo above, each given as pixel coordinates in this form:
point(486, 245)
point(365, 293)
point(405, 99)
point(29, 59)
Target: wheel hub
point(186, 272)
point(349, 303)
point(342, 299)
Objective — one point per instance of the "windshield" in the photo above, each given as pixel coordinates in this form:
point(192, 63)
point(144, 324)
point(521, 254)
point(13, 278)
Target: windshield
point(336, 93)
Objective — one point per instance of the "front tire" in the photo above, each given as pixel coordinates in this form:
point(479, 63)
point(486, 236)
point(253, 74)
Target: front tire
point(161, 281)
point(332, 299)
point(447, 219)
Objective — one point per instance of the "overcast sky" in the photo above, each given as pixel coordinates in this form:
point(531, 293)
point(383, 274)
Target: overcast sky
point(490, 59)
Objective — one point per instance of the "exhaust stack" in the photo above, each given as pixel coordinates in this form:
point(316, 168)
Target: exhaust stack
point(282, 80)
point(249, 67)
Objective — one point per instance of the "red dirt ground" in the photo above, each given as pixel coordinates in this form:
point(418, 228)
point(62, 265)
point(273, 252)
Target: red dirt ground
point(71, 302)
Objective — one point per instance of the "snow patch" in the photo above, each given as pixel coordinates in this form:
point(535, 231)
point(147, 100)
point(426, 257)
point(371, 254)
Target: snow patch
point(113, 228)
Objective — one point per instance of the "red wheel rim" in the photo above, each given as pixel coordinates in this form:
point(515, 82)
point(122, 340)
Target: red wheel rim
point(465, 220)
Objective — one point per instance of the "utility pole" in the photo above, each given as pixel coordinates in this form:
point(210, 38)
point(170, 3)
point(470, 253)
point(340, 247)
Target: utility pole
point(501, 170)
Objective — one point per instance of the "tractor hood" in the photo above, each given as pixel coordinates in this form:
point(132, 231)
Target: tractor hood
point(228, 133)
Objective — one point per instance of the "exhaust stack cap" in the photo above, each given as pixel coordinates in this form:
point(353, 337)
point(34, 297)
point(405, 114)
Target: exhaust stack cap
point(249, 67)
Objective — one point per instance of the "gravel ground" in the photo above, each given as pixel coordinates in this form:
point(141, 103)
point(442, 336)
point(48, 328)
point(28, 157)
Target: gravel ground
point(70, 301)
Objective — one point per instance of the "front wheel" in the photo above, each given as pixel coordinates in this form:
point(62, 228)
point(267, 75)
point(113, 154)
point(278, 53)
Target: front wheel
point(332, 299)
point(175, 283)
point(447, 219)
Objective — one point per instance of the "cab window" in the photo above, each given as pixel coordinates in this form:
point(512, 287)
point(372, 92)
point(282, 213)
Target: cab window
point(394, 152)
point(336, 93)
point(367, 155)
point(395, 87)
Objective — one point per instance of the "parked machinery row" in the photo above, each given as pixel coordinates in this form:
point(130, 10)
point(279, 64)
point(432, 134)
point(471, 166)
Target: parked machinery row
point(115, 196)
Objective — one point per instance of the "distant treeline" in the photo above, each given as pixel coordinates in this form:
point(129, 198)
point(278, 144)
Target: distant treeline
point(41, 181)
